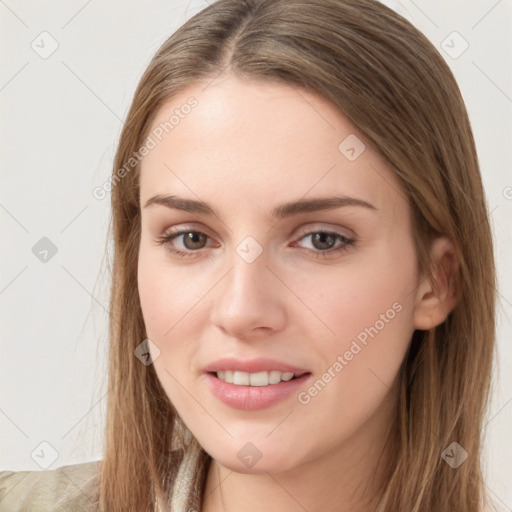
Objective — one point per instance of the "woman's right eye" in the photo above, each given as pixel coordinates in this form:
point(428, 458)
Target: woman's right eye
point(192, 241)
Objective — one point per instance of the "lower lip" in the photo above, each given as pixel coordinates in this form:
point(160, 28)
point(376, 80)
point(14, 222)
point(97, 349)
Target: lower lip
point(252, 398)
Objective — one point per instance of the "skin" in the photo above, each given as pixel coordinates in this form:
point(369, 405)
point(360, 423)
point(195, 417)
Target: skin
point(246, 148)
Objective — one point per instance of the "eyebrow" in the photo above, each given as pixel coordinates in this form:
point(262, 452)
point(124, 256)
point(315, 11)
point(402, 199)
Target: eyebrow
point(280, 212)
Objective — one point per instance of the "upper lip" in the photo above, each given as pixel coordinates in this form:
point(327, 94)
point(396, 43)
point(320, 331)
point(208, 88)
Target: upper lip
point(253, 366)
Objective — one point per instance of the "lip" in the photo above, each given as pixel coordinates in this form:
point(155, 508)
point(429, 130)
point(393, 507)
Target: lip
point(252, 398)
point(261, 364)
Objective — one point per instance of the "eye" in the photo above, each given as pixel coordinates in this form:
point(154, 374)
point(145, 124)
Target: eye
point(323, 242)
point(193, 241)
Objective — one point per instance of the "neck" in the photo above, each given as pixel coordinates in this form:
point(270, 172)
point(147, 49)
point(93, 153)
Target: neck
point(346, 478)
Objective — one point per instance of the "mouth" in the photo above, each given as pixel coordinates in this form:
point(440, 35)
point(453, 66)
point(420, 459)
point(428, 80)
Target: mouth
point(256, 379)
point(252, 391)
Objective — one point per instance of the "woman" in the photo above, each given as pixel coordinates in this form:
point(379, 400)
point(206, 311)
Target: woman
point(302, 309)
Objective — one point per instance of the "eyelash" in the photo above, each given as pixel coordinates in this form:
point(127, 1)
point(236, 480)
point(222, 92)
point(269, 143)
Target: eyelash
point(166, 239)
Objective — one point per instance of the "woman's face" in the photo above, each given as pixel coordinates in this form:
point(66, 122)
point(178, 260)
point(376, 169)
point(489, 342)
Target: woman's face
point(274, 282)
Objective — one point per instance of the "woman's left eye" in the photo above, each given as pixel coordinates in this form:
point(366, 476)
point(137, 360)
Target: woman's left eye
point(193, 242)
point(319, 239)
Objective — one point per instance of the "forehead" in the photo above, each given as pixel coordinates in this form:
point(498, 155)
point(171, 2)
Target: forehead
point(250, 142)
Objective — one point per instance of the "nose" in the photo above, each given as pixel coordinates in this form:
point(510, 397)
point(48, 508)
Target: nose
point(250, 299)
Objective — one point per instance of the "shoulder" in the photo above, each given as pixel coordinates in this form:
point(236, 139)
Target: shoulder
point(71, 488)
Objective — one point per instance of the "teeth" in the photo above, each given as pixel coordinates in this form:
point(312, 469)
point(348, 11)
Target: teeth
point(241, 378)
point(274, 377)
point(254, 379)
point(258, 379)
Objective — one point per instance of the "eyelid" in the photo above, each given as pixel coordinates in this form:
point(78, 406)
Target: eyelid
point(319, 226)
point(185, 227)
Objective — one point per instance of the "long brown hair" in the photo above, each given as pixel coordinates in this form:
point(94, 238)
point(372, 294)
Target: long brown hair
point(388, 79)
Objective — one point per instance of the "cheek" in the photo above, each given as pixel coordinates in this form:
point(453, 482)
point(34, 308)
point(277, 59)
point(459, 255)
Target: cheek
point(167, 300)
point(156, 313)
point(167, 295)
point(371, 313)
point(368, 298)
point(173, 302)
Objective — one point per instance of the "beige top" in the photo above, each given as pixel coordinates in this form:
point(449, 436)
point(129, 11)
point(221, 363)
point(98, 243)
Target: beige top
point(65, 489)
point(75, 487)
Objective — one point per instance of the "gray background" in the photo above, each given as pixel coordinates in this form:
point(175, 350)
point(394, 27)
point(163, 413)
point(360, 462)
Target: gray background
point(62, 115)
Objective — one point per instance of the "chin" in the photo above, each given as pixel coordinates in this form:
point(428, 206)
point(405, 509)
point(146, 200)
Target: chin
point(249, 459)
